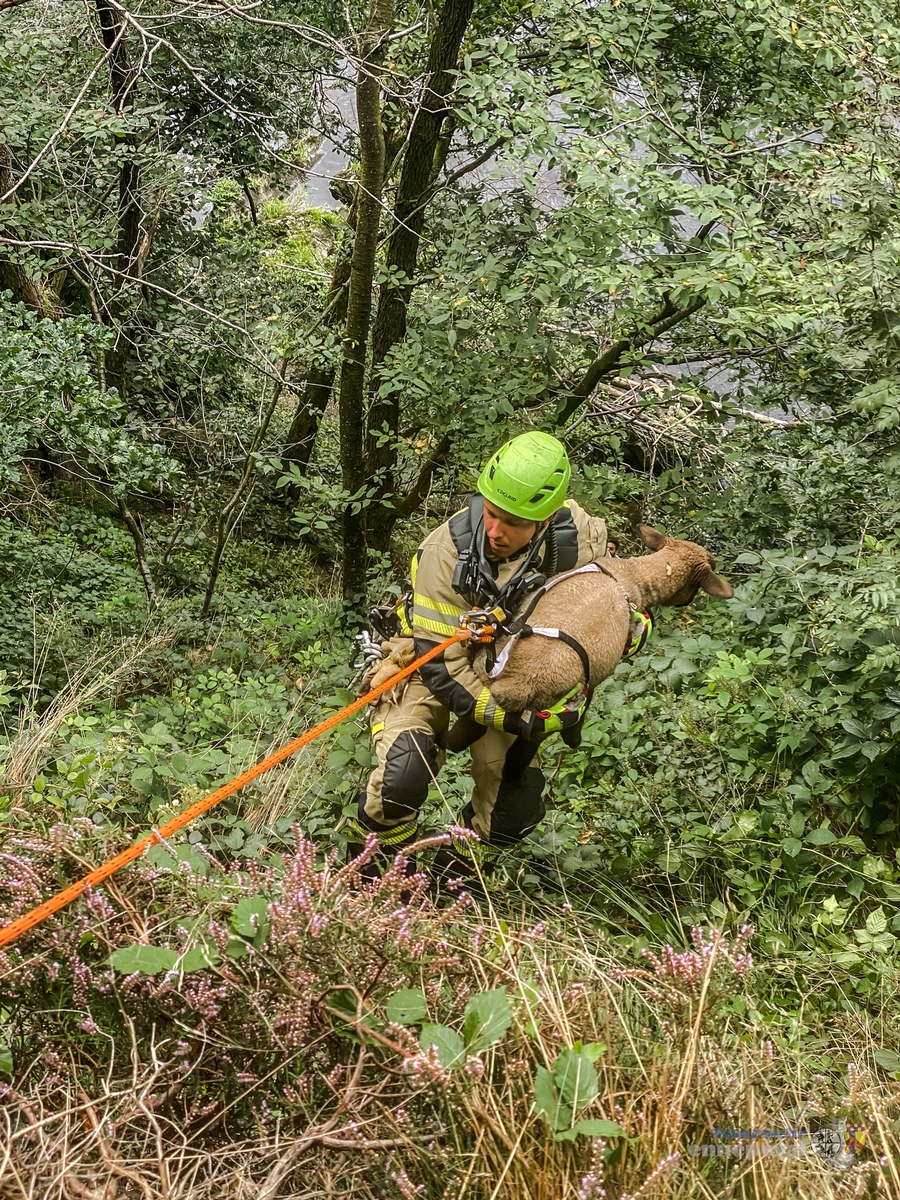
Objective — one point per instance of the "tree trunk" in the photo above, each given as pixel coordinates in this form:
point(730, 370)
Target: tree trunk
point(12, 277)
point(666, 318)
point(230, 512)
point(130, 255)
point(351, 394)
point(422, 160)
point(301, 436)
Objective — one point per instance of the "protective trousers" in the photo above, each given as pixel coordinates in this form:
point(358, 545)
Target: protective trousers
point(408, 737)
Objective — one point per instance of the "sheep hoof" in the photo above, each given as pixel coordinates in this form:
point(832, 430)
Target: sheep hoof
point(572, 735)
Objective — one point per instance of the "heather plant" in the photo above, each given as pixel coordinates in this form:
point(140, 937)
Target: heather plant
point(274, 1028)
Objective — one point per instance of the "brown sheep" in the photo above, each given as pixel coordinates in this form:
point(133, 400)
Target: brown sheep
point(593, 608)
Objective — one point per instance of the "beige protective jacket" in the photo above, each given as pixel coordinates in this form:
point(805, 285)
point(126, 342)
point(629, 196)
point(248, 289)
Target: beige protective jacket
point(436, 610)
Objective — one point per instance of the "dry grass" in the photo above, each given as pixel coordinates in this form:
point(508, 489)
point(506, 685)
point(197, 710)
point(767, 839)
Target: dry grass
point(107, 1117)
point(101, 675)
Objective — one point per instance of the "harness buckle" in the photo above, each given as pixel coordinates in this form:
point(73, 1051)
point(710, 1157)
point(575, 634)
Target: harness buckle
point(483, 624)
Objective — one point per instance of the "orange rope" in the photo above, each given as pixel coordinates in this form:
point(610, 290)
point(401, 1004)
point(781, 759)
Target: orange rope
point(10, 932)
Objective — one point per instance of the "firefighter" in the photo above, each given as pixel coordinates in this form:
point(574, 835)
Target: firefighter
point(516, 532)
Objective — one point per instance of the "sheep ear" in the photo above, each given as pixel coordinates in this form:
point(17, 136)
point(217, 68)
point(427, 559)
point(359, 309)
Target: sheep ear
point(651, 538)
point(715, 585)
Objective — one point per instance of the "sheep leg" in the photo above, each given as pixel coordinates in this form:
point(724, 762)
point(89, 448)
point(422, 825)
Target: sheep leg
point(464, 732)
point(572, 735)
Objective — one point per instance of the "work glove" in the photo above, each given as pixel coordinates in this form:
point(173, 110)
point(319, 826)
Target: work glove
point(566, 714)
point(398, 653)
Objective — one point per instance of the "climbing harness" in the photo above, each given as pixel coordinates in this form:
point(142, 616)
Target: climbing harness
point(484, 625)
point(518, 627)
point(555, 549)
point(641, 619)
point(386, 621)
point(392, 620)
point(641, 628)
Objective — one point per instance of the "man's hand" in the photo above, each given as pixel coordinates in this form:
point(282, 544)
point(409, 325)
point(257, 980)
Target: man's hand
point(398, 653)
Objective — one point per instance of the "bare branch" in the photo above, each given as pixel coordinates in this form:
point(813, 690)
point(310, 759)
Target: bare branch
point(668, 316)
point(417, 493)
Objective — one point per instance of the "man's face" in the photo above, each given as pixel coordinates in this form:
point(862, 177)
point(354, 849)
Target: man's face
point(506, 533)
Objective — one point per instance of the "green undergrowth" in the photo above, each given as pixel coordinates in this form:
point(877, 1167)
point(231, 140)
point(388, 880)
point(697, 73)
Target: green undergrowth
point(286, 1030)
point(289, 1027)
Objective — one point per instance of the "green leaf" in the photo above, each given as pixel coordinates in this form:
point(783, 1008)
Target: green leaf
point(168, 860)
point(791, 847)
point(575, 1078)
point(198, 958)
point(407, 1007)
point(593, 1050)
point(547, 1101)
point(147, 960)
point(889, 1059)
point(487, 1018)
point(249, 916)
point(820, 837)
point(591, 1128)
point(6, 1060)
point(876, 922)
point(451, 1049)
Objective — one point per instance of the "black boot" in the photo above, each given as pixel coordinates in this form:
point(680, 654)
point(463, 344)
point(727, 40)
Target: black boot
point(380, 862)
point(373, 869)
point(453, 874)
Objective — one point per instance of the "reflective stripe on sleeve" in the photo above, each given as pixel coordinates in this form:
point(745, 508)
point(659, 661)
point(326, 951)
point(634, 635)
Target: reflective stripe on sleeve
point(435, 607)
point(434, 626)
point(488, 711)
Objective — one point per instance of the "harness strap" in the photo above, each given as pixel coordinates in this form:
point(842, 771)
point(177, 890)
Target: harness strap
point(638, 632)
point(555, 548)
point(562, 636)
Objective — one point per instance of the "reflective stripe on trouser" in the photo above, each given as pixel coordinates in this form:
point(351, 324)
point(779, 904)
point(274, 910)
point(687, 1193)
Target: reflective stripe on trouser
point(408, 738)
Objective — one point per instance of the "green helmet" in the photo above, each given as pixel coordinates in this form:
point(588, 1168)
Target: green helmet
point(527, 477)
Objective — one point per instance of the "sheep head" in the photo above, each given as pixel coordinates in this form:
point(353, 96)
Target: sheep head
point(691, 567)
